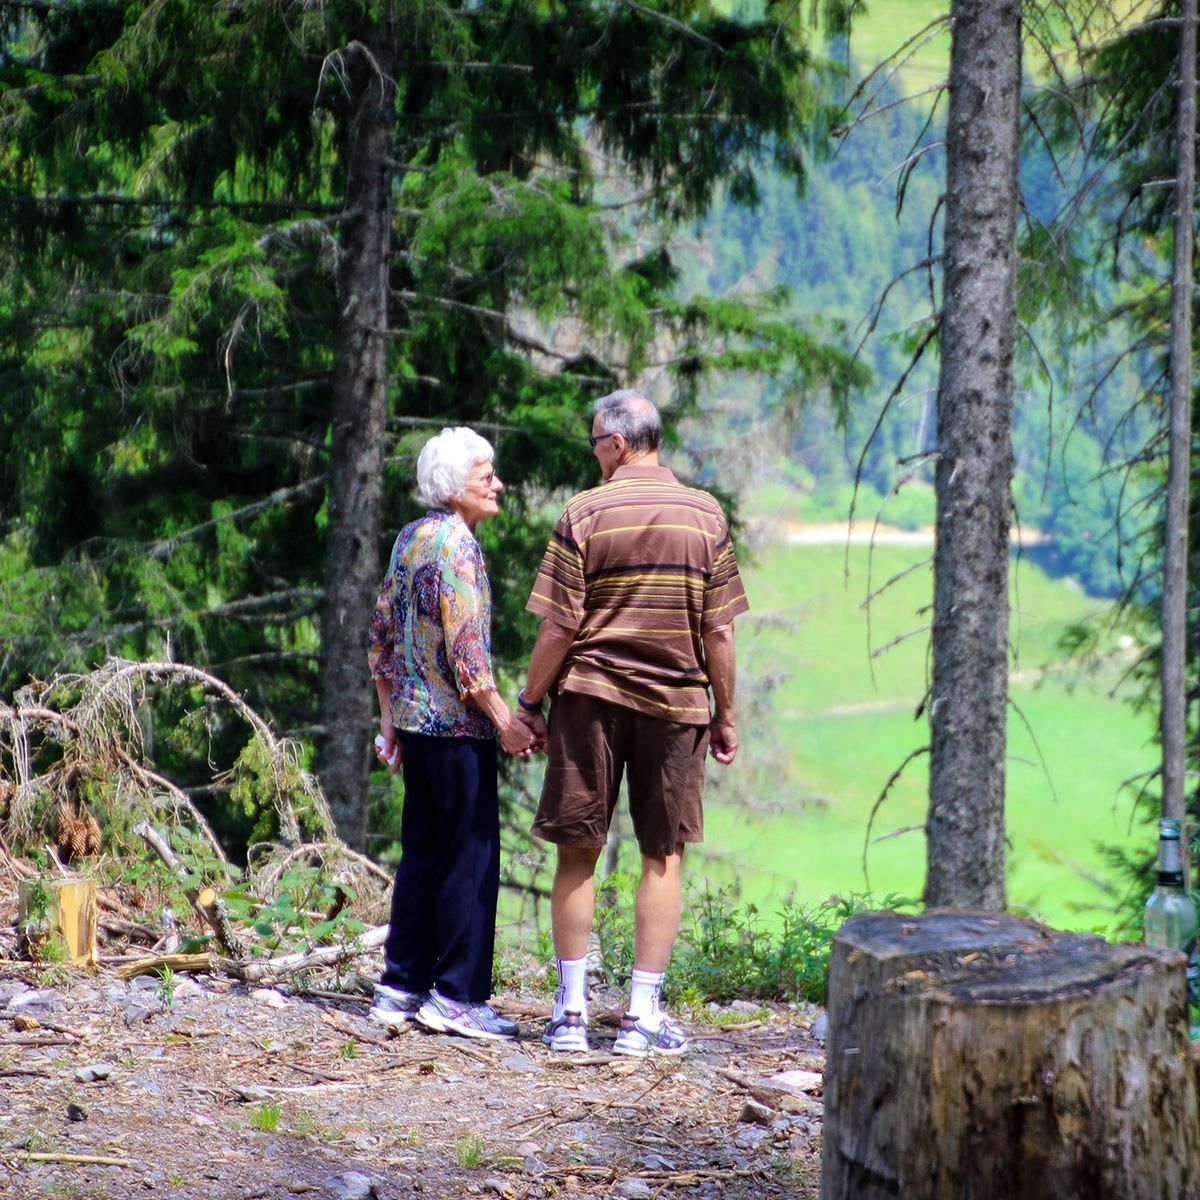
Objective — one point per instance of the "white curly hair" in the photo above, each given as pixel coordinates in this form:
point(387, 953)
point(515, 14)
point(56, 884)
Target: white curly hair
point(446, 463)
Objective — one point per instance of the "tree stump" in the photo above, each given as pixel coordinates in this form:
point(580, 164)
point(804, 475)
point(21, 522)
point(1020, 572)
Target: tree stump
point(62, 911)
point(979, 1055)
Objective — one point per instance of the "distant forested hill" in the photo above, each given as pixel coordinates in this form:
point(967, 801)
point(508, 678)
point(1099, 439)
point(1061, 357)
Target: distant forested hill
point(837, 248)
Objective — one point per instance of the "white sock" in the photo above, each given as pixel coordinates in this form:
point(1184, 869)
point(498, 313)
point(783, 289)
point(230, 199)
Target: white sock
point(645, 992)
point(572, 986)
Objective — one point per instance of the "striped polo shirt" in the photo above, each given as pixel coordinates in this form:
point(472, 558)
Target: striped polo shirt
point(638, 567)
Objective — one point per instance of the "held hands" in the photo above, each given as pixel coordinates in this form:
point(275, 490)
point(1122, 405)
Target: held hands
point(536, 724)
point(723, 739)
point(516, 738)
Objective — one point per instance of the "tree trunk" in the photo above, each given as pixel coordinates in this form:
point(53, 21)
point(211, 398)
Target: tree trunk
point(1173, 707)
point(356, 454)
point(974, 470)
point(978, 1056)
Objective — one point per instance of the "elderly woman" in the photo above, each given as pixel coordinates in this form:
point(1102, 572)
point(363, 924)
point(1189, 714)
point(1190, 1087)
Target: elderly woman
point(440, 713)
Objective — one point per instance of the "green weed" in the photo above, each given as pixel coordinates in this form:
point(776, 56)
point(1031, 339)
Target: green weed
point(469, 1152)
point(165, 988)
point(265, 1117)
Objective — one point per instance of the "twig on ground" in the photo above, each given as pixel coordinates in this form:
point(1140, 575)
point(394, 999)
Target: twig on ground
point(99, 1160)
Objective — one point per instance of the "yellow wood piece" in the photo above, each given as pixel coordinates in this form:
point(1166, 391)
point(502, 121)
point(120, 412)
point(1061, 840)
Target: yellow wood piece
point(70, 915)
point(177, 962)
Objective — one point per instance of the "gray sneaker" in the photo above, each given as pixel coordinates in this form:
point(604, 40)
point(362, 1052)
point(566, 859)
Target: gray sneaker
point(393, 1006)
point(639, 1041)
point(469, 1020)
point(567, 1032)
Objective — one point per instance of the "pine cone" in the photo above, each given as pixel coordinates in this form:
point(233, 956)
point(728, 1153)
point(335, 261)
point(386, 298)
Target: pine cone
point(77, 833)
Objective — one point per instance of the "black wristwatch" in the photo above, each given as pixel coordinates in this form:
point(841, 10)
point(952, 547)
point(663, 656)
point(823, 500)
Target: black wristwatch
point(527, 705)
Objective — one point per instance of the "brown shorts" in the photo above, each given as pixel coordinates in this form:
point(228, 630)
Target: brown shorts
point(592, 742)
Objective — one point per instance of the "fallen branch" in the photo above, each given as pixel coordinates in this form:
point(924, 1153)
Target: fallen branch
point(147, 778)
point(175, 962)
point(258, 970)
point(217, 916)
point(220, 927)
point(35, 1039)
point(129, 929)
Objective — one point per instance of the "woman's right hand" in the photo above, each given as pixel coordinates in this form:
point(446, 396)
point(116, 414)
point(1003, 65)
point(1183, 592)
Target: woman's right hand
point(387, 748)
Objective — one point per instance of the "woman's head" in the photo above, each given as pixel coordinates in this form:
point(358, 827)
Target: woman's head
point(446, 464)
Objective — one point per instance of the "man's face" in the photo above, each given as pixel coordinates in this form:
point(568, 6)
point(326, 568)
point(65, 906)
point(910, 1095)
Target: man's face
point(608, 449)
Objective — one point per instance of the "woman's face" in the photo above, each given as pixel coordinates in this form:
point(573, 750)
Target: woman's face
point(481, 496)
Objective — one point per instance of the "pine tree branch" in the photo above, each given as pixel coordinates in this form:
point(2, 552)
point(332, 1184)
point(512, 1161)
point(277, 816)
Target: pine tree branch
point(115, 200)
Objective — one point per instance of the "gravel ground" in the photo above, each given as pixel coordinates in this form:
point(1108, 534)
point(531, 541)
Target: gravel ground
point(221, 1090)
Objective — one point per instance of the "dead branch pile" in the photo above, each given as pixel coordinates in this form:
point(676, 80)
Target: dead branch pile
point(78, 785)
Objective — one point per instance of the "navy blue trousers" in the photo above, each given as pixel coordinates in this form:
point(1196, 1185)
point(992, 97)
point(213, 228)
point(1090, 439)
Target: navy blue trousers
point(443, 925)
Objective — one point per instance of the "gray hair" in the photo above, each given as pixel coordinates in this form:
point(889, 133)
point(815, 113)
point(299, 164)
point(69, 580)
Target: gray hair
point(446, 463)
point(630, 414)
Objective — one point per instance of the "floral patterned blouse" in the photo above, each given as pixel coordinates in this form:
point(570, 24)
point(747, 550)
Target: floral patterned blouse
point(431, 635)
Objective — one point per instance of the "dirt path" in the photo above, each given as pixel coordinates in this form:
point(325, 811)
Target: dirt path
point(360, 1114)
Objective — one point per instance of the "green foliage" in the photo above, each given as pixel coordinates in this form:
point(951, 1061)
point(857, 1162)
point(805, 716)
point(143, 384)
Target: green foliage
point(168, 298)
point(293, 912)
point(726, 951)
point(34, 929)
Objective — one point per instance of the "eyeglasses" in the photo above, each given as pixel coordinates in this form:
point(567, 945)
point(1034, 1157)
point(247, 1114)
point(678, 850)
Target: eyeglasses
point(485, 480)
point(593, 438)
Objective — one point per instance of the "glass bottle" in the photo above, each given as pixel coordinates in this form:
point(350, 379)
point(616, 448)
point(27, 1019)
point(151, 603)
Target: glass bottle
point(1170, 916)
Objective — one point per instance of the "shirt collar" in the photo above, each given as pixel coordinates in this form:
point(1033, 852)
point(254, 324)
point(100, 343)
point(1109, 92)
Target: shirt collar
point(641, 471)
point(448, 514)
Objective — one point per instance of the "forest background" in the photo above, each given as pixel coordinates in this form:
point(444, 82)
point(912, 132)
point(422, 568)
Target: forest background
point(166, 436)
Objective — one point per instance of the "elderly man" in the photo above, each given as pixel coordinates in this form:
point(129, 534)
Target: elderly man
point(638, 590)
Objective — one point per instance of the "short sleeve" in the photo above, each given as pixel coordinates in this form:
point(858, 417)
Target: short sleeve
point(724, 595)
point(559, 592)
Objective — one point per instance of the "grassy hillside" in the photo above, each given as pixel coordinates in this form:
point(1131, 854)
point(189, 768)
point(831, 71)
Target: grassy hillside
point(889, 24)
point(791, 817)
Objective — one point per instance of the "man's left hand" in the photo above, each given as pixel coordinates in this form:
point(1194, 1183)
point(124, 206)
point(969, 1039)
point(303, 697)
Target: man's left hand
point(723, 739)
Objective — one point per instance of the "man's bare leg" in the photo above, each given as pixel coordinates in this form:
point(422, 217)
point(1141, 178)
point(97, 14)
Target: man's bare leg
point(573, 899)
point(572, 906)
point(659, 905)
point(645, 1028)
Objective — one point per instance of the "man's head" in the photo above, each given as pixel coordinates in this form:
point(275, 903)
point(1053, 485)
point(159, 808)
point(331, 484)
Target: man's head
point(626, 428)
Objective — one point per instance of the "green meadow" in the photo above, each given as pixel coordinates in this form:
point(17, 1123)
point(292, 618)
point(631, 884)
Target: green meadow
point(825, 724)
